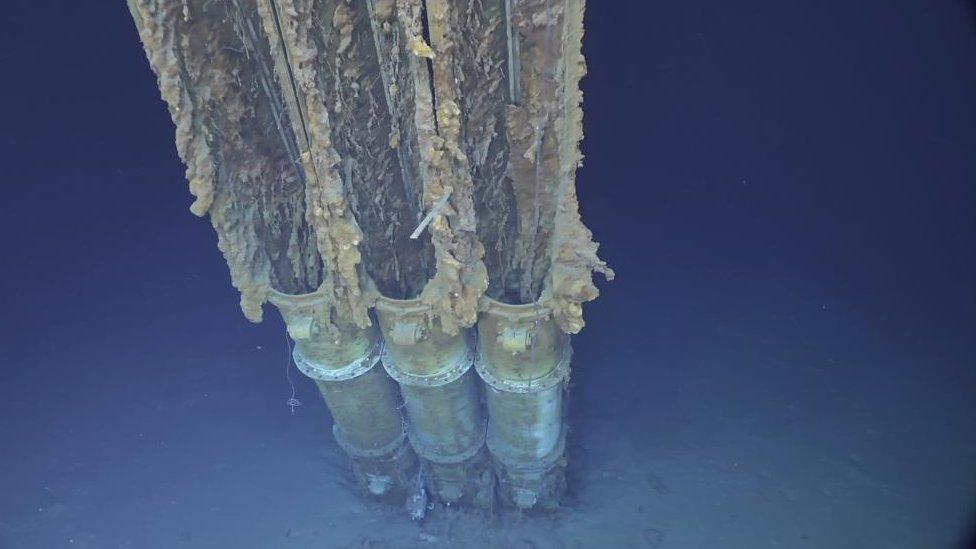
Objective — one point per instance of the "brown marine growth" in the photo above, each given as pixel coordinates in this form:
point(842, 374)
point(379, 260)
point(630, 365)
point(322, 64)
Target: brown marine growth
point(214, 72)
point(419, 157)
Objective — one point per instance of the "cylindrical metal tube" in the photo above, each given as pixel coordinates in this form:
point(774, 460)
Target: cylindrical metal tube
point(523, 359)
point(525, 427)
point(343, 361)
point(440, 393)
point(445, 420)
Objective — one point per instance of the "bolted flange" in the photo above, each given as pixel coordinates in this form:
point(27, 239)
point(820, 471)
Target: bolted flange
point(524, 360)
point(440, 393)
point(342, 359)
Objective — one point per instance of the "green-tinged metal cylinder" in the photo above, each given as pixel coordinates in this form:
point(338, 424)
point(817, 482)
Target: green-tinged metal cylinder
point(352, 402)
point(343, 361)
point(524, 361)
point(440, 393)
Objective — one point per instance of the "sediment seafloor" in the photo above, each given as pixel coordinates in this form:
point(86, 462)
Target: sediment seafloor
point(786, 360)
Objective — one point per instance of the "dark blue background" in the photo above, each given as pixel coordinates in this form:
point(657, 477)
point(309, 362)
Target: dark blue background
point(831, 147)
point(766, 172)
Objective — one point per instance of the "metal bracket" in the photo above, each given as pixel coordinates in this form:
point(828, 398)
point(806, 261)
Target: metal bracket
point(407, 332)
point(516, 339)
point(302, 327)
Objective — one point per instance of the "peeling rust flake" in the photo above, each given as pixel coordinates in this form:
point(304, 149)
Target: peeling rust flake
point(214, 75)
point(406, 148)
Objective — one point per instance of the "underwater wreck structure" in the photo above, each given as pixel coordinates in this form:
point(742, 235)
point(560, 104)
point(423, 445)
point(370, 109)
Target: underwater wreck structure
point(397, 178)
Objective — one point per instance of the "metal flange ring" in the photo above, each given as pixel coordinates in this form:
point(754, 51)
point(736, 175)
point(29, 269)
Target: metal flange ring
point(555, 376)
point(461, 364)
point(380, 452)
point(533, 466)
point(324, 373)
point(450, 459)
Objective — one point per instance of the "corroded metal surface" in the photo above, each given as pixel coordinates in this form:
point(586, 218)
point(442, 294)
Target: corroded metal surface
point(441, 397)
point(523, 359)
point(318, 133)
point(418, 157)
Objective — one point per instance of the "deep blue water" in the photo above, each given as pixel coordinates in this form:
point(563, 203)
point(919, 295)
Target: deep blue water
point(787, 191)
